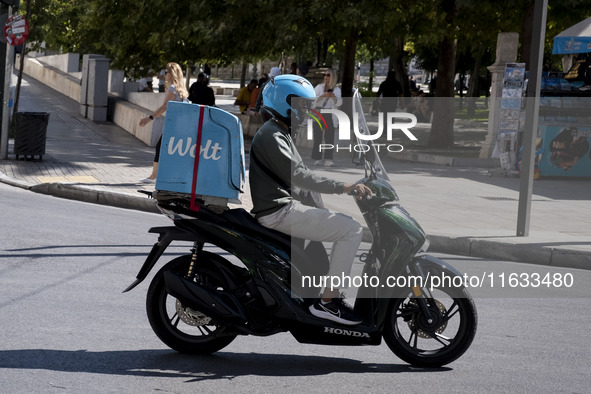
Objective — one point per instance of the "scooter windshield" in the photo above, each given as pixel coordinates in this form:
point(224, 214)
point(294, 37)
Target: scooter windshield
point(369, 155)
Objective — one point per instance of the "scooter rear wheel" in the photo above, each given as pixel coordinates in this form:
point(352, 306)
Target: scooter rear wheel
point(414, 339)
point(181, 328)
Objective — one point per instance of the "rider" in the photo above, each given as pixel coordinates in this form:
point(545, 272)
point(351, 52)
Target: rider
point(276, 168)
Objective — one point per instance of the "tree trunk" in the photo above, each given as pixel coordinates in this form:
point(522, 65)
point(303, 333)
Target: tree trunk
point(321, 51)
point(526, 33)
point(391, 60)
point(318, 50)
point(349, 64)
point(188, 77)
point(398, 66)
point(441, 135)
point(243, 75)
point(371, 71)
point(474, 84)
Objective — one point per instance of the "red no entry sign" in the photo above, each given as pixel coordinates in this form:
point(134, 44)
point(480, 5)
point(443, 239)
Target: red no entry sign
point(16, 30)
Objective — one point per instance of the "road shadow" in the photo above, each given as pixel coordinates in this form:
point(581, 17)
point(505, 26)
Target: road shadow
point(166, 363)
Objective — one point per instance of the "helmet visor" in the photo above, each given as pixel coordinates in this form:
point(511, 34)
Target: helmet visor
point(301, 109)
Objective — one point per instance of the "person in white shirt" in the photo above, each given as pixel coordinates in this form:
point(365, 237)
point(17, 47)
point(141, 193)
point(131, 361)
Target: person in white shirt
point(328, 95)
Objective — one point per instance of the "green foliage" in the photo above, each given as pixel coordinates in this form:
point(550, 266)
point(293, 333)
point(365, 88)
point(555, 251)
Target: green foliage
point(152, 32)
point(56, 22)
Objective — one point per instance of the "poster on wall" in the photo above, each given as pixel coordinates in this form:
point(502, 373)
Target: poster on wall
point(566, 151)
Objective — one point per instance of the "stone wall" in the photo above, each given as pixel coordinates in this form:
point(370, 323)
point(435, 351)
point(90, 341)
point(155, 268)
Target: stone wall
point(125, 105)
point(125, 114)
point(68, 62)
point(53, 77)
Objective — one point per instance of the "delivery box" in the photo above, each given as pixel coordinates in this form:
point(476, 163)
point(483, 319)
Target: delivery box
point(217, 168)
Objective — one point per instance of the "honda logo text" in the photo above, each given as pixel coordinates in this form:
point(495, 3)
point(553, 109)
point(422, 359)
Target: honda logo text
point(348, 333)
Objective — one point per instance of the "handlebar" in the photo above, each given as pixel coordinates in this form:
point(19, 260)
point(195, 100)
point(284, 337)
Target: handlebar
point(355, 193)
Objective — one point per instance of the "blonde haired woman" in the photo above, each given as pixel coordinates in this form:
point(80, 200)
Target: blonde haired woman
point(175, 91)
point(328, 96)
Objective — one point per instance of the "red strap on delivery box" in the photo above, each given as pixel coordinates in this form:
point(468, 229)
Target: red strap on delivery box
point(194, 206)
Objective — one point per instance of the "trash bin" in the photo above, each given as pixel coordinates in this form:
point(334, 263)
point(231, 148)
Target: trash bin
point(30, 134)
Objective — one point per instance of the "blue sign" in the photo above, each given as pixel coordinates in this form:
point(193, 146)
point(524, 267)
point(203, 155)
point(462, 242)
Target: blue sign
point(575, 39)
point(567, 45)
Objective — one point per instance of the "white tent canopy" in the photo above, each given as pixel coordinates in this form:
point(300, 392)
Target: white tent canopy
point(575, 39)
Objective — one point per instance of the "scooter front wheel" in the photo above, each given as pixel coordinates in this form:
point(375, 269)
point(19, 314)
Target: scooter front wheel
point(438, 339)
point(182, 328)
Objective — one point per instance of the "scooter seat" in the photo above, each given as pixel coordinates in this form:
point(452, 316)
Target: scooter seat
point(309, 258)
point(244, 219)
point(313, 257)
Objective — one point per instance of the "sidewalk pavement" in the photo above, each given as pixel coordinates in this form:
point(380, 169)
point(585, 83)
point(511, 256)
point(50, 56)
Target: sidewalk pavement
point(464, 210)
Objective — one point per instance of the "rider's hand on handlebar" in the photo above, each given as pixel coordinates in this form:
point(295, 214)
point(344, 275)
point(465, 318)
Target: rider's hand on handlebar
point(359, 190)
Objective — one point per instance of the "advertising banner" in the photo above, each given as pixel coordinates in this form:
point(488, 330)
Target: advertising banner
point(566, 151)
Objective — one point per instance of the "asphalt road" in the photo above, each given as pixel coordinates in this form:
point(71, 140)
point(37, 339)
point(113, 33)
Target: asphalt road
point(65, 326)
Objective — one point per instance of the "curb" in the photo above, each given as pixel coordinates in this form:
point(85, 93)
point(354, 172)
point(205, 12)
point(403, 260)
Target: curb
point(463, 246)
point(442, 160)
point(14, 182)
point(516, 252)
point(73, 192)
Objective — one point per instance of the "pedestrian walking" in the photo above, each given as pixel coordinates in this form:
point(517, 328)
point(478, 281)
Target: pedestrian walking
point(243, 99)
point(175, 91)
point(389, 90)
point(200, 93)
point(275, 71)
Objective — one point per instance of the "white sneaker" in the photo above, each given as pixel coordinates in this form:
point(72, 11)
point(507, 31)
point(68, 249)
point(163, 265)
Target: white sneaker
point(147, 180)
point(328, 163)
point(336, 310)
point(319, 162)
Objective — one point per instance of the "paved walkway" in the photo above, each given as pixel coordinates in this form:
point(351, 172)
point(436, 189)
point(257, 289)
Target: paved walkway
point(463, 209)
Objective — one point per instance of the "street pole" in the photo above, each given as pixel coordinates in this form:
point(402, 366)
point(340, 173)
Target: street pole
point(6, 57)
point(5, 115)
point(531, 117)
point(4, 95)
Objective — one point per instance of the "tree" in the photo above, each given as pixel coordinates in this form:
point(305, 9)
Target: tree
point(150, 33)
point(56, 22)
point(346, 25)
point(441, 135)
point(339, 23)
point(472, 24)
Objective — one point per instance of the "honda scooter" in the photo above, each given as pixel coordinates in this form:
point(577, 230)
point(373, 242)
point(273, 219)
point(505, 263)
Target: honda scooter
point(200, 302)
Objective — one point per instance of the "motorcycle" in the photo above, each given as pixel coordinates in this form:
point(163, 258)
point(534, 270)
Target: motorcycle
point(200, 302)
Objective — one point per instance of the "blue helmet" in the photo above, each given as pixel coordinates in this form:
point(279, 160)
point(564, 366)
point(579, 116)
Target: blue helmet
point(279, 92)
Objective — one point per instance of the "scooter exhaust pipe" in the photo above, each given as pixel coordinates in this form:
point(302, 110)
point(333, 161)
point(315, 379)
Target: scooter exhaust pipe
point(209, 302)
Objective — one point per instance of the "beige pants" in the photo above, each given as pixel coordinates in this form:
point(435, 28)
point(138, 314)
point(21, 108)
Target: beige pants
point(317, 224)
